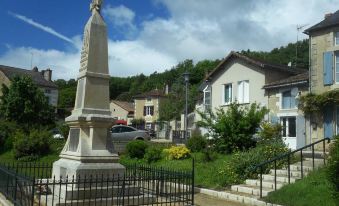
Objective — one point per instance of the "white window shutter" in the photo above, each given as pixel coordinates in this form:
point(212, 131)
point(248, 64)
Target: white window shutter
point(246, 91)
point(241, 92)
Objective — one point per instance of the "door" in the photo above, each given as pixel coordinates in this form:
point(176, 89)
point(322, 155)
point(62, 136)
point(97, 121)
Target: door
point(289, 131)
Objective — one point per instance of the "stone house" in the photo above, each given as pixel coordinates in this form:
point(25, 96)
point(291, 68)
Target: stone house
point(122, 111)
point(43, 79)
point(324, 74)
point(246, 80)
point(146, 106)
point(283, 98)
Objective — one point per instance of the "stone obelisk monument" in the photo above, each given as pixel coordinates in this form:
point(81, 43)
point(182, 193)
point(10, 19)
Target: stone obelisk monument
point(89, 150)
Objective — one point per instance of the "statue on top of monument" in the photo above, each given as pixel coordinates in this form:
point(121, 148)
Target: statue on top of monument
point(96, 4)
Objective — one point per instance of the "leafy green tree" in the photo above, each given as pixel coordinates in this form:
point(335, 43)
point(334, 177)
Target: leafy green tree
point(23, 102)
point(233, 129)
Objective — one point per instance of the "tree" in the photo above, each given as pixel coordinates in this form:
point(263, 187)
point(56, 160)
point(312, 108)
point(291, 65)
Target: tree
point(24, 103)
point(234, 128)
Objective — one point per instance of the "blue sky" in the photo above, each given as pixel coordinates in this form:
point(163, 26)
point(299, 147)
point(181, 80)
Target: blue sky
point(149, 35)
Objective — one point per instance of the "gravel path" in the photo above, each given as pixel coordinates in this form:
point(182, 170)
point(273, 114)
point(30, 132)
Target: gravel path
point(206, 200)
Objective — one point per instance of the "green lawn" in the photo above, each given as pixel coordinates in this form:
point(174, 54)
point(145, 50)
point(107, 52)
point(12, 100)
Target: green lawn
point(206, 173)
point(314, 190)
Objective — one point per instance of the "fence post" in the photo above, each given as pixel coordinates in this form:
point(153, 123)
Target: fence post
point(33, 185)
point(193, 165)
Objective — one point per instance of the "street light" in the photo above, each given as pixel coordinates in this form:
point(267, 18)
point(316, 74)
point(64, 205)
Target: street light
point(186, 76)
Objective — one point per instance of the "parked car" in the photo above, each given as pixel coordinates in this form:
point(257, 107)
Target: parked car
point(57, 134)
point(128, 133)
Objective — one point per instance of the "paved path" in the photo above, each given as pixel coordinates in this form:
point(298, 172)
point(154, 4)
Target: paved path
point(206, 200)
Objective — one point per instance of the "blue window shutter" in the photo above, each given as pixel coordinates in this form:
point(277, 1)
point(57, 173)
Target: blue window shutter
point(328, 121)
point(301, 138)
point(328, 68)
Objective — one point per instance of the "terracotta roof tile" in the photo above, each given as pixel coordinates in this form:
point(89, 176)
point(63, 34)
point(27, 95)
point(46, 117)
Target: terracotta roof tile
point(128, 106)
point(293, 80)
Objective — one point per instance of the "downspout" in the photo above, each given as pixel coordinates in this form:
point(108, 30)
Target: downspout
point(310, 81)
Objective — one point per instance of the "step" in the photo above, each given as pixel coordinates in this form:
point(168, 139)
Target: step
point(284, 172)
point(297, 167)
point(265, 183)
point(240, 197)
point(252, 190)
point(280, 178)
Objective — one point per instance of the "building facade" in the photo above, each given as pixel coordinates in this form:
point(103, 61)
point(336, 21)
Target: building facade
point(324, 74)
point(122, 111)
point(43, 79)
point(146, 107)
point(283, 99)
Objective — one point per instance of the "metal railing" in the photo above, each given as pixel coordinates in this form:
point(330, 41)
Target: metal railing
point(288, 156)
point(31, 184)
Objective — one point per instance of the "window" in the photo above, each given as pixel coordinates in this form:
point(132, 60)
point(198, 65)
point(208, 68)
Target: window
point(337, 67)
point(244, 91)
point(148, 110)
point(227, 97)
point(336, 38)
point(289, 128)
point(47, 91)
point(207, 97)
point(288, 100)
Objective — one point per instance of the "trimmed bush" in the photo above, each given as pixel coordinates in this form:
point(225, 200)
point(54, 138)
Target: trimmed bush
point(136, 149)
point(242, 165)
point(196, 143)
point(333, 168)
point(33, 145)
point(153, 154)
point(177, 152)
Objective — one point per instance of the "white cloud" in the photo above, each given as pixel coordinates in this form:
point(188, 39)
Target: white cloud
point(121, 18)
point(40, 26)
point(195, 29)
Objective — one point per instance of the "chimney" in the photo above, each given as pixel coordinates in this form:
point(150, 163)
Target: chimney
point(328, 15)
point(47, 74)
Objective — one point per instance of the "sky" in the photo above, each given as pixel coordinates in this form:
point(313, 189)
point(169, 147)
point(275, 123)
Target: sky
point(147, 36)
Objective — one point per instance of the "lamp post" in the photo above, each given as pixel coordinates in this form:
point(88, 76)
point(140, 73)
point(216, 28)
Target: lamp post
point(186, 76)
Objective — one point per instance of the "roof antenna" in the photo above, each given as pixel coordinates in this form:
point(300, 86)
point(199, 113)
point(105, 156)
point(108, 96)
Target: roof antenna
point(299, 27)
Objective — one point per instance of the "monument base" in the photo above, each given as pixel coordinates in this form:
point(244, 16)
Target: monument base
point(68, 168)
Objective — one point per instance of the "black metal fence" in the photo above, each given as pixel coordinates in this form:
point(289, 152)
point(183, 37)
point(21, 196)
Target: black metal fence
point(29, 184)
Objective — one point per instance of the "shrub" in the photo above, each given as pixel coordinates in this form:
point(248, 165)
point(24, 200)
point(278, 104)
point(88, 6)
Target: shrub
point(33, 145)
point(64, 129)
point(177, 152)
point(233, 129)
point(333, 168)
point(7, 131)
point(209, 155)
point(269, 132)
point(136, 149)
point(153, 154)
point(196, 143)
point(242, 164)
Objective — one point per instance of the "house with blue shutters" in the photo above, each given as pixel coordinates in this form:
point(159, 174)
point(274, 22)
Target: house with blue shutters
point(324, 74)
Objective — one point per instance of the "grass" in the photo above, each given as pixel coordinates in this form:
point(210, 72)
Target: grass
point(206, 173)
point(314, 190)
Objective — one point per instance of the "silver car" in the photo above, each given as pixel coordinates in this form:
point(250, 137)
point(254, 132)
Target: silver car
point(127, 133)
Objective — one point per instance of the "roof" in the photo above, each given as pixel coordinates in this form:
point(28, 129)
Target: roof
point(258, 63)
point(329, 21)
point(152, 93)
point(298, 79)
point(37, 77)
point(128, 106)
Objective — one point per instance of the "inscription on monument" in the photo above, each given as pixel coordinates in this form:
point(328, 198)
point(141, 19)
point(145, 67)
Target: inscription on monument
point(74, 139)
point(84, 51)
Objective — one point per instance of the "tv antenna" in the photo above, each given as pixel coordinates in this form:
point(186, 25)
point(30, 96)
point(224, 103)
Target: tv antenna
point(299, 27)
